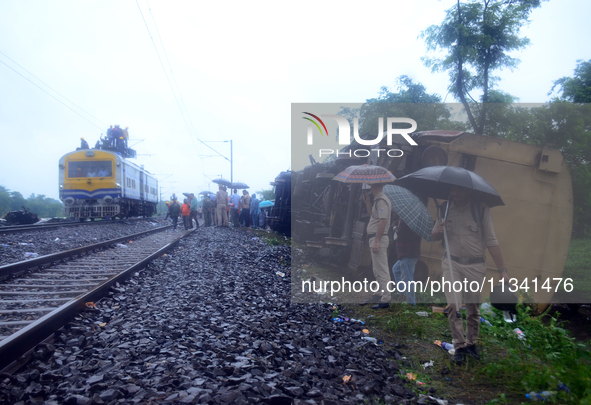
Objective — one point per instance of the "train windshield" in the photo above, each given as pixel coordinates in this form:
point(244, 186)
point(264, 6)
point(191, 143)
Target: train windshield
point(95, 168)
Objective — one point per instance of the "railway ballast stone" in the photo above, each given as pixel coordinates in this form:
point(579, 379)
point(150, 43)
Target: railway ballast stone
point(44, 241)
point(210, 322)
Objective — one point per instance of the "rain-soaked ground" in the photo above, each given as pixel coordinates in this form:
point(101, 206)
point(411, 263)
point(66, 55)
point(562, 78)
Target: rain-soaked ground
point(211, 322)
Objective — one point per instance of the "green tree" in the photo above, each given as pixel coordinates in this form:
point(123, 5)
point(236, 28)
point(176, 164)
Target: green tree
point(411, 100)
point(478, 36)
point(576, 145)
point(39, 204)
point(4, 200)
point(576, 89)
point(17, 201)
point(268, 195)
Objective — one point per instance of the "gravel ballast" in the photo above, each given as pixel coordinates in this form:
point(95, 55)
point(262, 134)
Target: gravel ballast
point(211, 322)
point(13, 246)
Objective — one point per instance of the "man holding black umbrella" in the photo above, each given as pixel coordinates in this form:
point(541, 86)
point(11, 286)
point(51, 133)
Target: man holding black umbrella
point(469, 232)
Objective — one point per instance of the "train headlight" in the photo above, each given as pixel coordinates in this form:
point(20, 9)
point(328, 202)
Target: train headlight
point(61, 186)
point(69, 201)
point(118, 186)
point(108, 199)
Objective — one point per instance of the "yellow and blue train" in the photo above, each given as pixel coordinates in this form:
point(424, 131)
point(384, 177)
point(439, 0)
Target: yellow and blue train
point(96, 183)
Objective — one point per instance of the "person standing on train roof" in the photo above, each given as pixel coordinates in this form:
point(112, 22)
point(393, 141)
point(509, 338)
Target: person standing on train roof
point(194, 211)
point(83, 144)
point(120, 145)
point(126, 135)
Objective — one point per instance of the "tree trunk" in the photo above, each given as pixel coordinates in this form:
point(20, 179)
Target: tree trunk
point(460, 80)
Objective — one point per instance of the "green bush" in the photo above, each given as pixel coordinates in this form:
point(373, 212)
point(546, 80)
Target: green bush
point(547, 356)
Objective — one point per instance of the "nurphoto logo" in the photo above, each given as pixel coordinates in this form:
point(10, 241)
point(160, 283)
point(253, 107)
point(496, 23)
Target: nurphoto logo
point(344, 134)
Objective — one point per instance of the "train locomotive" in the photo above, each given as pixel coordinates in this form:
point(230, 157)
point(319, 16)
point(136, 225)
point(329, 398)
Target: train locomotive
point(101, 183)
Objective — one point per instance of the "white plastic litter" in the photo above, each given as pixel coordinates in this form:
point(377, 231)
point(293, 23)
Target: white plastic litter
point(486, 310)
point(438, 401)
point(508, 317)
point(428, 364)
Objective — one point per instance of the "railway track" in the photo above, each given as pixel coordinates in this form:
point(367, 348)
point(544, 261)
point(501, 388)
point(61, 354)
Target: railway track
point(39, 296)
point(34, 227)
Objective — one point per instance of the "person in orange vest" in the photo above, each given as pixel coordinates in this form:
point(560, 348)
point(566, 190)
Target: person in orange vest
point(186, 211)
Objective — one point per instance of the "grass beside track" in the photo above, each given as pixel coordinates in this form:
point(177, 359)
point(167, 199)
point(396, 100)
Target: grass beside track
point(510, 367)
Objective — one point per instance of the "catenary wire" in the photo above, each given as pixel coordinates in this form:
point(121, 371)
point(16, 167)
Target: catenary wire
point(51, 95)
point(174, 78)
point(172, 88)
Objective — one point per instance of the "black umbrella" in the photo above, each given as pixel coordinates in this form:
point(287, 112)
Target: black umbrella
point(239, 185)
point(222, 182)
point(437, 181)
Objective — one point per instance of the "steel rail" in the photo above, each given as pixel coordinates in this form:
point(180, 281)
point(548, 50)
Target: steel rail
point(19, 267)
point(33, 227)
point(18, 344)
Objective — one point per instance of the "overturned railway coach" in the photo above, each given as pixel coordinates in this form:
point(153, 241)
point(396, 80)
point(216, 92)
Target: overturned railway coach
point(533, 228)
point(98, 183)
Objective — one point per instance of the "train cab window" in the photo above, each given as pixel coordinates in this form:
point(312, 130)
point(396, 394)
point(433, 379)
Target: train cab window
point(95, 168)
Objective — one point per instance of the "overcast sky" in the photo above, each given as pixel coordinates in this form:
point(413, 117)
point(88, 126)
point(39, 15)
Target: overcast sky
point(238, 66)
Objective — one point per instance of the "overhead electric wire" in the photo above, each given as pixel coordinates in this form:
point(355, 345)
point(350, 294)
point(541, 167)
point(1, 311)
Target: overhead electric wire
point(162, 64)
point(51, 95)
point(170, 67)
point(193, 137)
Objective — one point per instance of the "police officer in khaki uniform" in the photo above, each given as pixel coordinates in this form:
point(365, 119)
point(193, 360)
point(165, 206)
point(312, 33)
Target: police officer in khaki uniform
point(467, 240)
point(222, 207)
point(377, 232)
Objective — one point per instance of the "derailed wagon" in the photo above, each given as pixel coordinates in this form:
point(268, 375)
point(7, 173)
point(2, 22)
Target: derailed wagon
point(533, 228)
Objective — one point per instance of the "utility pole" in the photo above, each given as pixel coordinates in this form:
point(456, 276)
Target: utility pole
point(231, 160)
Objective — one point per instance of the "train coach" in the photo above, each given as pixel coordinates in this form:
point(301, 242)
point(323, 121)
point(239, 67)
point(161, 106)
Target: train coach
point(96, 183)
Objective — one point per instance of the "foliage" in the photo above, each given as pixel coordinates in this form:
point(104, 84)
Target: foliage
point(268, 195)
point(478, 36)
point(39, 204)
point(411, 100)
point(578, 267)
point(547, 357)
point(576, 89)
